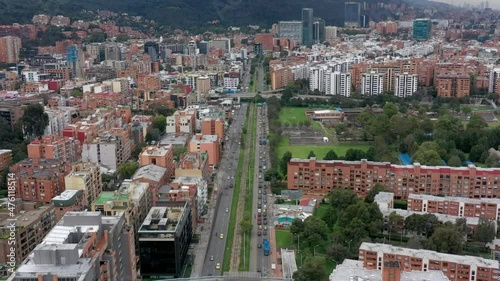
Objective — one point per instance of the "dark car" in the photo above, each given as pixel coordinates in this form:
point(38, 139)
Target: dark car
point(259, 233)
point(259, 246)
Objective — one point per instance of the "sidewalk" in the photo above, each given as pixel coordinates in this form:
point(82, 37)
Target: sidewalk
point(278, 272)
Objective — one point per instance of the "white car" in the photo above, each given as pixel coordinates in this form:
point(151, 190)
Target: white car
point(227, 210)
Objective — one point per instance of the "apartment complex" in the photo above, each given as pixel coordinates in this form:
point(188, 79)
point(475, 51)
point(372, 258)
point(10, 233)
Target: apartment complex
point(455, 267)
point(213, 126)
point(153, 175)
point(181, 122)
point(5, 158)
point(108, 150)
point(164, 239)
point(456, 206)
point(372, 84)
point(39, 180)
point(85, 177)
point(209, 144)
point(67, 149)
point(162, 156)
point(9, 49)
point(83, 246)
point(193, 164)
point(320, 176)
point(133, 198)
point(405, 85)
point(453, 85)
point(68, 201)
point(385, 202)
point(32, 222)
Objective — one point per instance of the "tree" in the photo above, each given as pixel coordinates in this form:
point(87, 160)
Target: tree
point(127, 169)
point(390, 109)
point(421, 224)
point(462, 227)
point(331, 155)
point(297, 226)
point(476, 122)
point(342, 198)
point(414, 243)
point(484, 231)
point(160, 123)
point(427, 154)
point(315, 230)
point(284, 162)
point(312, 269)
point(370, 197)
point(34, 121)
point(446, 239)
point(246, 226)
point(311, 155)
point(337, 252)
point(454, 161)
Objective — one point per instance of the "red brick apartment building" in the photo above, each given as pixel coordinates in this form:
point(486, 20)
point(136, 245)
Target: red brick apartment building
point(455, 267)
point(67, 149)
point(455, 206)
point(213, 126)
point(320, 176)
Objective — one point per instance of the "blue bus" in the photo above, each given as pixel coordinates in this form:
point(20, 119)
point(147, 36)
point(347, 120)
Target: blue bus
point(265, 246)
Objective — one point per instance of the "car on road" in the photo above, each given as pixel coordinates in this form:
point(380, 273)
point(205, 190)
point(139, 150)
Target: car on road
point(265, 227)
point(217, 266)
point(259, 233)
point(221, 236)
point(227, 210)
point(265, 232)
point(211, 258)
point(259, 246)
point(260, 196)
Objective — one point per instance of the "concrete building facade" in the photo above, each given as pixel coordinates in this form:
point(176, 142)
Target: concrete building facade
point(320, 176)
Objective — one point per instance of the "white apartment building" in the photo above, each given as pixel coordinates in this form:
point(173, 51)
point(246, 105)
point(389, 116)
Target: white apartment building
point(372, 84)
point(316, 79)
point(337, 83)
point(330, 33)
point(405, 84)
point(494, 82)
point(58, 119)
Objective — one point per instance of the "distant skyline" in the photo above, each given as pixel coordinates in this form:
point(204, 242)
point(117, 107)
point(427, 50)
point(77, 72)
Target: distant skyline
point(494, 4)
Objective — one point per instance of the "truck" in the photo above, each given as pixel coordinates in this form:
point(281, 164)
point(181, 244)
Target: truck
point(265, 247)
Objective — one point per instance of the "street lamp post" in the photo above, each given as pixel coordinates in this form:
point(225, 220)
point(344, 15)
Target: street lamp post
point(298, 243)
point(315, 249)
point(349, 243)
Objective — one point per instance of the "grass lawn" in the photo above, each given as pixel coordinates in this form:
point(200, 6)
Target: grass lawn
point(293, 115)
point(284, 239)
point(247, 212)
point(234, 203)
point(302, 151)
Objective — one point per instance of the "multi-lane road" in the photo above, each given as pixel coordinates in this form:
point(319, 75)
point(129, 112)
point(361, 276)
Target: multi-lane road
point(262, 214)
point(224, 188)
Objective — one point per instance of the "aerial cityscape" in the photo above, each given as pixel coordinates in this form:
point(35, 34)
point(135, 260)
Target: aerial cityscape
point(326, 140)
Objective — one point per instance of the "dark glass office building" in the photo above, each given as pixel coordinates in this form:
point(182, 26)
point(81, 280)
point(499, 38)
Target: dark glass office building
point(352, 14)
point(164, 239)
point(307, 26)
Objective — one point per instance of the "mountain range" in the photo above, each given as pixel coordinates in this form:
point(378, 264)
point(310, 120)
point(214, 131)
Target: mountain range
point(186, 13)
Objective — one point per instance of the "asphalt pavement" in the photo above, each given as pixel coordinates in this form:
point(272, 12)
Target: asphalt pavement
point(261, 200)
point(223, 188)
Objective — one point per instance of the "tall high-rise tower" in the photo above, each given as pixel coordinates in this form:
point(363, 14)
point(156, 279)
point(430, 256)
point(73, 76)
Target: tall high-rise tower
point(307, 26)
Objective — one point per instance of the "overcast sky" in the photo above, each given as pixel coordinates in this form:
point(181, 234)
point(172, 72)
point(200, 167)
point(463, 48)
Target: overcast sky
point(494, 4)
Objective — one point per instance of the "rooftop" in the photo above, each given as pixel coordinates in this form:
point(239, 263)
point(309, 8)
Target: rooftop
point(109, 196)
point(341, 162)
point(172, 139)
point(150, 172)
point(134, 189)
point(156, 150)
point(431, 255)
point(162, 219)
point(455, 199)
point(351, 270)
point(27, 215)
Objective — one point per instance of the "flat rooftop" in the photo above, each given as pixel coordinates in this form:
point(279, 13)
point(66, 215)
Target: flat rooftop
point(454, 199)
point(156, 150)
point(24, 218)
point(431, 255)
point(109, 196)
point(162, 219)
